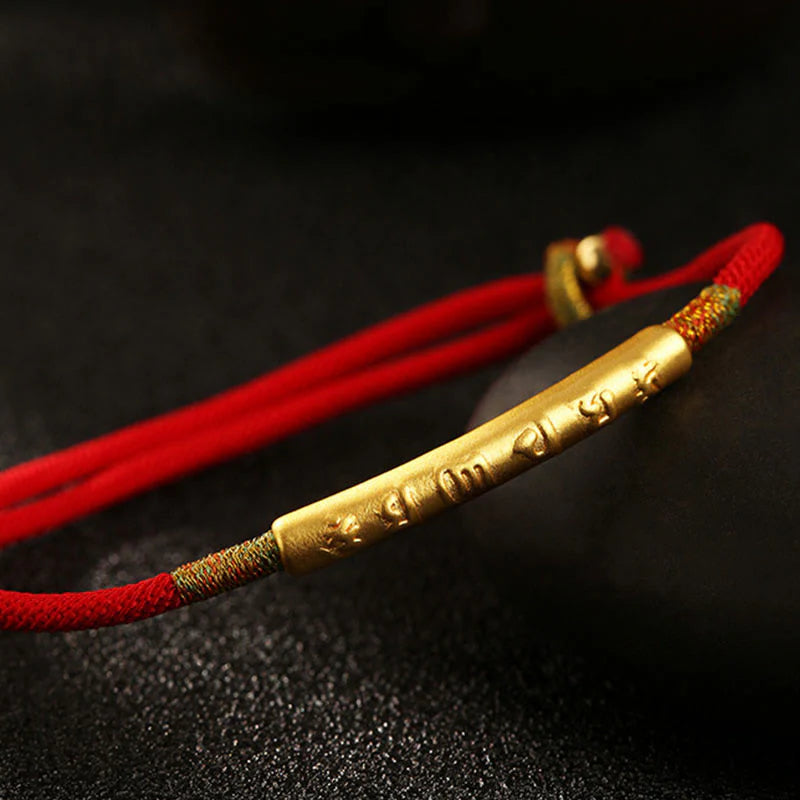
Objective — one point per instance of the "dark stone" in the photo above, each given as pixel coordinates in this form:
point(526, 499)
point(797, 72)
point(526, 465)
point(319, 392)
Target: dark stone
point(672, 535)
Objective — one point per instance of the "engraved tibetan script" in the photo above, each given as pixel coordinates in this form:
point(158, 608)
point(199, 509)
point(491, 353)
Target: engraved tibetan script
point(538, 440)
point(600, 408)
point(341, 535)
point(646, 380)
point(459, 483)
point(394, 510)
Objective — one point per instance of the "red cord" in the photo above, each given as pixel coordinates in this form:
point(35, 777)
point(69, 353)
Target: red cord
point(467, 330)
point(435, 321)
point(254, 429)
point(75, 611)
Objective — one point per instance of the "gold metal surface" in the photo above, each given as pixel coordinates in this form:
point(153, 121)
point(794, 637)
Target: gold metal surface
point(340, 525)
point(563, 290)
point(592, 260)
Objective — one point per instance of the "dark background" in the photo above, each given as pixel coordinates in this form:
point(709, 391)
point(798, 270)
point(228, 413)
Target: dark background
point(164, 237)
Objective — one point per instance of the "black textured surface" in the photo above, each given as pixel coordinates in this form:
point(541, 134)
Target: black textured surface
point(160, 241)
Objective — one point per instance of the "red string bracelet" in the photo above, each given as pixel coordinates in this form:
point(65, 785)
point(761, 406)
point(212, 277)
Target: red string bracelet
point(459, 333)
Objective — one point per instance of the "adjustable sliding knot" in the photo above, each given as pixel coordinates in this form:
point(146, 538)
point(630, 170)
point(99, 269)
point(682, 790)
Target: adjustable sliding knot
point(571, 265)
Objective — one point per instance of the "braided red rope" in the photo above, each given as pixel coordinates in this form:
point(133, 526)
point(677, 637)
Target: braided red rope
point(467, 330)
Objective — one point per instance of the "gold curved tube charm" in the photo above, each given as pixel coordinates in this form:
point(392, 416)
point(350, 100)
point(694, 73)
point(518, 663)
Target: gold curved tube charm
point(567, 412)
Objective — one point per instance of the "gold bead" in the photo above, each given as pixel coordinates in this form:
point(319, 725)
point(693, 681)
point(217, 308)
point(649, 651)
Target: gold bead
point(592, 259)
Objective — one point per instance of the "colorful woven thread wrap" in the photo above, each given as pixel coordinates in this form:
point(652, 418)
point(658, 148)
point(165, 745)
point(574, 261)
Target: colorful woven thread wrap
point(705, 316)
point(439, 340)
point(234, 566)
